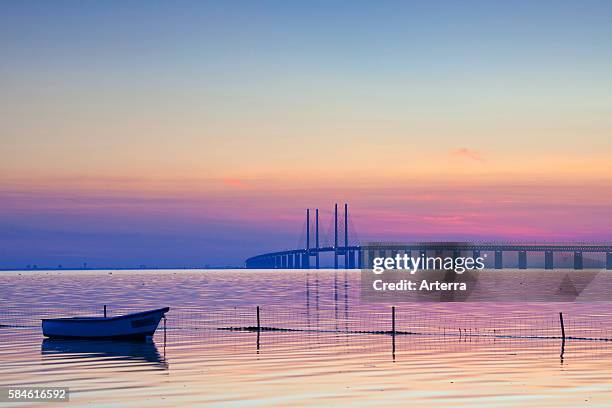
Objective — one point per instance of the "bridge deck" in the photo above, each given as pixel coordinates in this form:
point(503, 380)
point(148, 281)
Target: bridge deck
point(300, 258)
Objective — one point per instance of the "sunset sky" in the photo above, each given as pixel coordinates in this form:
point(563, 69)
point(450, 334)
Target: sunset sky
point(193, 133)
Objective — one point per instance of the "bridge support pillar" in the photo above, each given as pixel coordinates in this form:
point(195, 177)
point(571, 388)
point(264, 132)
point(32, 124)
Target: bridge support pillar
point(277, 262)
point(548, 260)
point(346, 252)
point(336, 236)
point(317, 238)
point(370, 260)
point(577, 259)
point(306, 260)
point(522, 258)
point(290, 261)
point(499, 260)
point(359, 255)
point(609, 261)
point(351, 259)
point(476, 253)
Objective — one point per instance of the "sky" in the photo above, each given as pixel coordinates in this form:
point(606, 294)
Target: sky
point(185, 133)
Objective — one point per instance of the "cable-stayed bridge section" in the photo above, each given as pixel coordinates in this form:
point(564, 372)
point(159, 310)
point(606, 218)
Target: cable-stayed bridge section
point(357, 256)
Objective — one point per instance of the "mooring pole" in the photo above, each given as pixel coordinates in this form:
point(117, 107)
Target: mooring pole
point(258, 329)
point(105, 311)
point(562, 337)
point(393, 331)
point(164, 337)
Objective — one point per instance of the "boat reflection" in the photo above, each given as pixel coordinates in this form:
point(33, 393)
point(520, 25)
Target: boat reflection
point(126, 351)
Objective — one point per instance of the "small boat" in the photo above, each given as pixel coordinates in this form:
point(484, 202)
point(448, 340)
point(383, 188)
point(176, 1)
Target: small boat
point(135, 326)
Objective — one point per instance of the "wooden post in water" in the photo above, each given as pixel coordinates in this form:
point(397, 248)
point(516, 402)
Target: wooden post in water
point(104, 311)
point(258, 329)
point(562, 326)
point(562, 336)
point(393, 332)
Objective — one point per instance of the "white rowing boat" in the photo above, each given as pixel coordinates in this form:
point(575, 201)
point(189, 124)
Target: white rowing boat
point(136, 326)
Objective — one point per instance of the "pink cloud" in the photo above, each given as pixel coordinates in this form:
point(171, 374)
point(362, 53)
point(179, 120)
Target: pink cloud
point(444, 219)
point(467, 153)
point(234, 182)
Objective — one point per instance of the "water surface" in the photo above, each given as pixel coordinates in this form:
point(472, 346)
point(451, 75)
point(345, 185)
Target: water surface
point(338, 352)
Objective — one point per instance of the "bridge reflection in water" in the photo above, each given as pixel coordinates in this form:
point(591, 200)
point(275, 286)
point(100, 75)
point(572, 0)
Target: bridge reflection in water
point(360, 256)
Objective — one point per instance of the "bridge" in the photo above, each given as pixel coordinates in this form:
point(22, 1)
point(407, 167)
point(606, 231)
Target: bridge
point(356, 256)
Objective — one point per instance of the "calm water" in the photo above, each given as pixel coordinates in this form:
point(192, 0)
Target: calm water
point(472, 354)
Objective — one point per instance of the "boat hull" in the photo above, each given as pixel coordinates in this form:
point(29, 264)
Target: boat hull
point(136, 326)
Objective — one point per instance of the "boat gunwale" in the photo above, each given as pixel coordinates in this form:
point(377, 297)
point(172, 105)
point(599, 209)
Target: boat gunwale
point(92, 319)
